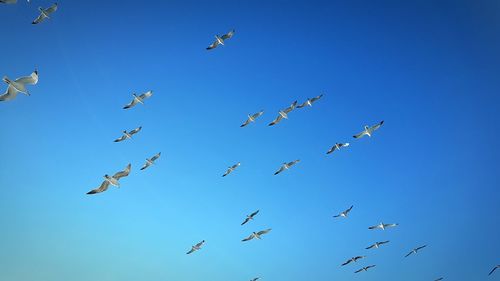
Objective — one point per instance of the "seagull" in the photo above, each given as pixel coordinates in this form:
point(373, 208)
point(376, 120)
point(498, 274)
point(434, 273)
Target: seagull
point(344, 214)
point(377, 245)
point(353, 259)
point(255, 279)
point(250, 217)
point(151, 161)
point(337, 146)
point(364, 268)
point(138, 99)
point(231, 169)
point(493, 270)
point(256, 235)
point(45, 13)
point(415, 250)
point(368, 130)
point(310, 101)
point(220, 40)
point(283, 114)
point(18, 86)
point(383, 226)
point(196, 247)
point(113, 180)
point(286, 166)
point(8, 1)
point(128, 135)
point(251, 118)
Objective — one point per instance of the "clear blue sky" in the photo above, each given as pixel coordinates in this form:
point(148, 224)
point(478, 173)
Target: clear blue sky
point(430, 69)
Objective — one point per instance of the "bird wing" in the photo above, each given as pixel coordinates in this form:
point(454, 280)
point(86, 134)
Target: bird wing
point(254, 213)
point(8, 1)
point(258, 114)
point(359, 270)
point(421, 247)
point(122, 138)
point(51, 9)
point(346, 263)
point(291, 107)
point(246, 123)
point(39, 19)
point(369, 247)
point(374, 227)
point(131, 104)
point(344, 144)
point(293, 162)
point(245, 221)
point(493, 270)
point(146, 95)
point(200, 244)
point(375, 127)
point(190, 251)
point(359, 135)
point(235, 166)
point(370, 266)
point(145, 165)
point(276, 121)
point(32, 79)
point(123, 173)
point(407, 255)
point(227, 172)
point(213, 45)
point(302, 105)
point(316, 98)
point(248, 238)
point(350, 208)
point(135, 131)
point(154, 158)
point(9, 94)
point(282, 168)
point(228, 35)
point(104, 186)
point(331, 149)
point(264, 231)
point(391, 225)
point(383, 242)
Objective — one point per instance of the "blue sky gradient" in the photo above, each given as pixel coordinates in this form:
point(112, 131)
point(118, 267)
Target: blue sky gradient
point(428, 68)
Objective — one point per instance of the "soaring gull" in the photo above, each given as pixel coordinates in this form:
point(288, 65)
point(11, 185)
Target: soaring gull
point(414, 251)
point(376, 245)
point(150, 161)
point(250, 217)
point(368, 130)
point(196, 247)
point(251, 118)
point(18, 86)
point(283, 113)
point(256, 235)
point(113, 180)
point(383, 226)
point(309, 101)
point(138, 99)
point(220, 40)
point(337, 146)
point(286, 166)
point(344, 214)
point(364, 268)
point(231, 169)
point(128, 135)
point(353, 259)
point(45, 13)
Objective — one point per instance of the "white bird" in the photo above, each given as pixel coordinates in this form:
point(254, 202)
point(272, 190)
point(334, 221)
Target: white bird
point(251, 118)
point(256, 235)
point(138, 99)
point(310, 101)
point(219, 40)
point(493, 270)
point(376, 245)
point(368, 130)
point(250, 217)
point(231, 169)
point(150, 161)
point(344, 214)
point(383, 226)
point(45, 13)
point(196, 247)
point(364, 268)
point(353, 259)
point(414, 251)
point(113, 180)
point(283, 114)
point(18, 86)
point(128, 135)
point(286, 166)
point(337, 146)
point(8, 1)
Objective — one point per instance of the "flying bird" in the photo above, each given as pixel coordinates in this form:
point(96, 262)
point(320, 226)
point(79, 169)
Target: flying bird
point(128, 135)
point(383, 226)
point(364, 268)
point(376, 245)
point(310, 101)
point(138, 99)
point(414, 251)
point(231, 169)
point(250, 217)
point(493, 270)
point(344, 214)
point(45, 13)
point(18, 86)
point(113, 180)
point(8, 1)
point(196, 247)
point(251, 118)
point(256, 235)
point(150, 161)
point(283, 114)
point(368, 130)
point(353, 259)
point(286, 166)
point(337, 146)
point(219, 40)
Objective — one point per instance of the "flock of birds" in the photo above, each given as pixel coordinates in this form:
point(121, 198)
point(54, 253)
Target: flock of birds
point(19, 86)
